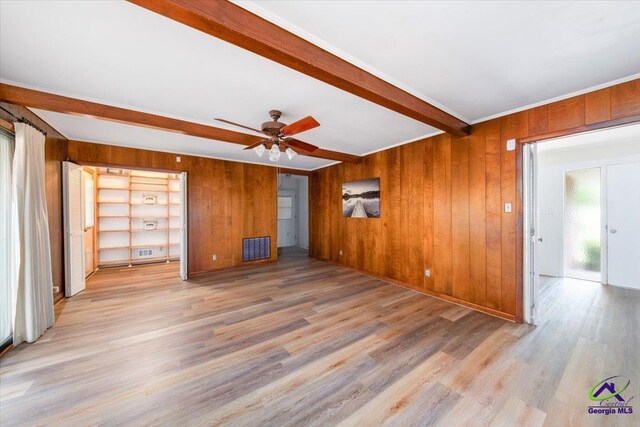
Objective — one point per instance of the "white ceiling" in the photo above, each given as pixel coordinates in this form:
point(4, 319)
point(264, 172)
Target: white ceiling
point(472, 59)
point(478, 59)
point(104, 132)
point(120, 54)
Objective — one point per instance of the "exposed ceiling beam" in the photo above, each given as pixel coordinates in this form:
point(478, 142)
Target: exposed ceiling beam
point(62, 104)
point(233, 24)
point(295, 171)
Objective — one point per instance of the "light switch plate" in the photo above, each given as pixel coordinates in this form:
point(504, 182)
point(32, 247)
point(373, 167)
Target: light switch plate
point(508, 207)
point(178, 159)
point(511, 145)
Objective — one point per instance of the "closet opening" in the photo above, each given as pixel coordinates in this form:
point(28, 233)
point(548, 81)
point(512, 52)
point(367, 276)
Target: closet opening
point(117, 218)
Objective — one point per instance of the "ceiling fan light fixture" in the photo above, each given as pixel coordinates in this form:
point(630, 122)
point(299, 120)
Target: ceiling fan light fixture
point(260, 150)
point(274, 153)
point(290, 153)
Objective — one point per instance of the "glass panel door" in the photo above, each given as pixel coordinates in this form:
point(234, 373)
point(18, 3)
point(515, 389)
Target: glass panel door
point(582, 224)
point(6, 155)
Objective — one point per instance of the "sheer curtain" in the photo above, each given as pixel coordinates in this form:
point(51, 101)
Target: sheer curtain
point(6, 156)
point(31, 275)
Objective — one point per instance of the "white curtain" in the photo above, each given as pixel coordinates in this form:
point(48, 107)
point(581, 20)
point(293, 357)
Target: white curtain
point(31, 254)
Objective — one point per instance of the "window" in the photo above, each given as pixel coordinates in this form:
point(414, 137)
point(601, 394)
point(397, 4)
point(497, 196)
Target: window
point(6, 156)
point(582, 223)
point(285, 207)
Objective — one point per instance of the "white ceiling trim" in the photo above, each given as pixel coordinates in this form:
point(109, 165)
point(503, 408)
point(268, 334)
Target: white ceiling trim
point(321, 167)
point(279, 21)
point(408, 141)
point(559, 98)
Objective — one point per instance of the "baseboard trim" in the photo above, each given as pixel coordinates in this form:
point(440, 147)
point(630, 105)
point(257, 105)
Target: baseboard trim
point(234, 267)
point(58, 297)
point(6, 347)
point(486, 310)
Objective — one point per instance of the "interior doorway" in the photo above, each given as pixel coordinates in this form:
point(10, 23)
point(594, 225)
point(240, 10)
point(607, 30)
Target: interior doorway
point(293, 211)
point(581, 197)
point(117, 217)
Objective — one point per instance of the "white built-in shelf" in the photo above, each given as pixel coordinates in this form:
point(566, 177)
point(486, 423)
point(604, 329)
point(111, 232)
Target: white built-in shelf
point(150, 246)
point(122, 238)
point(100, 187)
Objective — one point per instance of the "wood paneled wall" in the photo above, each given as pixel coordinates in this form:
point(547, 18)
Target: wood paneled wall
point(55, 151)
point(227, 201)
point(442, 204)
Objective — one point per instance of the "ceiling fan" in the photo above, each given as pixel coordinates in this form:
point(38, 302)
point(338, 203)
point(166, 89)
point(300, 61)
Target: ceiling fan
point(279, 136)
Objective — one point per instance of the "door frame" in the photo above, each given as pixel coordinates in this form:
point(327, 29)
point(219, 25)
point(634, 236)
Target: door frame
point(289, 192)
point(94, 248)
point(120, 166)
point(184, 220)
point(523, 285)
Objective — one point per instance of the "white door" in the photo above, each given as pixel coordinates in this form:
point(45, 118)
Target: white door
point(73, 229)
point(531, 236)
point(183, 226)
point(287, 219)
point(623, 225)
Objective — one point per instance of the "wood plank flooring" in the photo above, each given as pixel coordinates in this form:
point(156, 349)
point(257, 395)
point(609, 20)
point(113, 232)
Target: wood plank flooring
point(305, 342)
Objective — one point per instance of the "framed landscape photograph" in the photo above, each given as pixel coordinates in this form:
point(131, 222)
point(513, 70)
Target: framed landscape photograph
point(361, 199)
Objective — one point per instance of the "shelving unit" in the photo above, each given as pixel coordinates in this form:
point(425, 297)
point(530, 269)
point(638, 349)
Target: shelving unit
point(127, 202)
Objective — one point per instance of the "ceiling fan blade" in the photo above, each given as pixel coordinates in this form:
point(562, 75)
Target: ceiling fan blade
point(304, 146)
point(239, 125)
point(301, 125)
point(252, 146)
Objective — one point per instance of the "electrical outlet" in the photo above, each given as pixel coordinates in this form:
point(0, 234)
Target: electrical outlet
point(508, 207)
point(214, 258)
point(340, 252)
point(427, 272)
point(56, 289)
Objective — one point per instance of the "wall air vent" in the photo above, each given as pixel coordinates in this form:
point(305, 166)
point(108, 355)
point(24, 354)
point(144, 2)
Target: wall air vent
point(255, 248)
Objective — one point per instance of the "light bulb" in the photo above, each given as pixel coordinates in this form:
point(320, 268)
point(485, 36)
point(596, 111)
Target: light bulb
point(290, 153)
point(274, 153)
point(259, 150)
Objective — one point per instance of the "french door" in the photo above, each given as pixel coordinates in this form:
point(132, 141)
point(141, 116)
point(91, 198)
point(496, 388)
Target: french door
point(6, 299)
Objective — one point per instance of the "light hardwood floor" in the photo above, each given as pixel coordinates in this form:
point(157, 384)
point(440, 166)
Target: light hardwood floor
point(305, 342)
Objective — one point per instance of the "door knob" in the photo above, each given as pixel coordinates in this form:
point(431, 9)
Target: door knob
point(614, 231)
point(539, 239)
